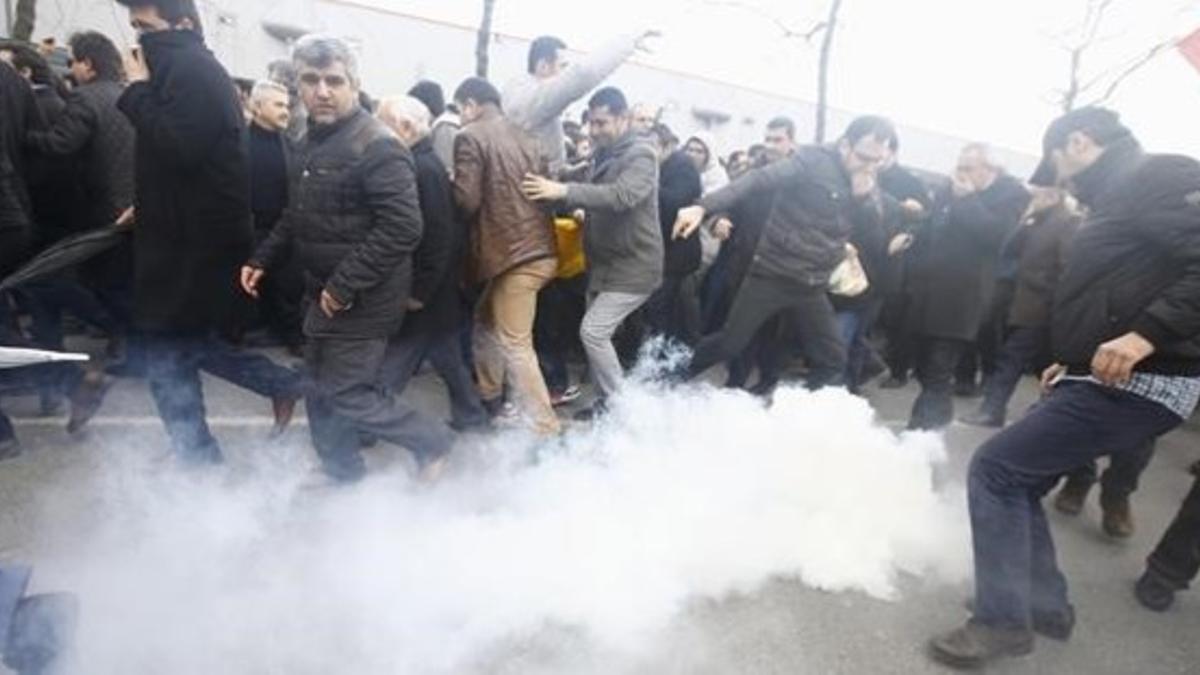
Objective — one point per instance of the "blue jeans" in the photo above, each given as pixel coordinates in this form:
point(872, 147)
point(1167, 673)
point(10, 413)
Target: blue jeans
point(173, 369)
point(1016, 571)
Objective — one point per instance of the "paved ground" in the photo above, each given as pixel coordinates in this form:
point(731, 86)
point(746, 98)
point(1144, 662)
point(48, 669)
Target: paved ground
point(784, 628)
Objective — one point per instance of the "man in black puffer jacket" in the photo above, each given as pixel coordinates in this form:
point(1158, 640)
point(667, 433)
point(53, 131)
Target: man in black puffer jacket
point(816, 192)
point(192, 200)
point(1125, 332)
point(353, 223)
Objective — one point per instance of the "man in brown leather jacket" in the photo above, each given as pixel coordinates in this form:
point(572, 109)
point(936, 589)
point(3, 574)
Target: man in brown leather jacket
point(512, 250)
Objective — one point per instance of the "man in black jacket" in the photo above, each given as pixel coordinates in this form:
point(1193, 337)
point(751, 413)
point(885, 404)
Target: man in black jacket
point(193, 224)
point(952, 275)
point(269, 151)
point(353, 222)
point(1125, 332)
point(671, 311)
point(804, 239)
point(435, 305)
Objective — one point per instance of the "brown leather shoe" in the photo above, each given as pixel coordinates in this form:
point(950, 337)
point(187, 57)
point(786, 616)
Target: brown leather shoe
point(1118, 517)
point(284, 408)
point(87, 399)
point(1072, 496)
point(975, 645)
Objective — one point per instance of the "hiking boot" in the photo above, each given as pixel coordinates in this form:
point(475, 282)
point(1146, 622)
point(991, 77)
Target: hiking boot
point(1154, 593)
point(86, 400)
point(983, 418)
point(1054, 625)
point(1118, 517)
point(975, 645)
point(284, 409)
point(1072, 496)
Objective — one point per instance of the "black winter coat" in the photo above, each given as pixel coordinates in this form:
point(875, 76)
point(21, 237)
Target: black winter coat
point(352, 223)
point(439, 259)
point(804, 237)
point(193, 214)
point(1135, 263)
point(678, 186)
point(953, 262)
point(101, 141)
point(1040, 246)
point(18, 112)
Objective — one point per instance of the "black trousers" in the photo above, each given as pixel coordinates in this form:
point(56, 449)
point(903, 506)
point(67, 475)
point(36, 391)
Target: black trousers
point(761, 298)
point(173, 369)
point(419, 341)
point(674, 310)
point(1025, 348)
point(936, 361)
point(1177, 557)
point(350, 399)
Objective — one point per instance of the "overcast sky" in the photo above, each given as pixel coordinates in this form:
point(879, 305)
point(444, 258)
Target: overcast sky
point(972, 68)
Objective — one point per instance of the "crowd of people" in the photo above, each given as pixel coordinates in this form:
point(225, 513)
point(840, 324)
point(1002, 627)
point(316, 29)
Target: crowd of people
point(503, 243)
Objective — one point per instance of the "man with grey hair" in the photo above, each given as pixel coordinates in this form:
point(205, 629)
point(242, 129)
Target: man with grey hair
point(953, 265)
point(353, 221)
point(269, 151)
point(430, 330)
point(283, 72)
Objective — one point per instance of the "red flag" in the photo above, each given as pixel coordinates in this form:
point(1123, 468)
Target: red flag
point(1190, 48)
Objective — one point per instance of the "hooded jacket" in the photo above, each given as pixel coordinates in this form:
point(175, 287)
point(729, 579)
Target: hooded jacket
point(1135, 263)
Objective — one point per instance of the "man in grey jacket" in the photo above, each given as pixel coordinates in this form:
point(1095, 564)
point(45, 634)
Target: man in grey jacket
point(536, 101)
point(622, 238)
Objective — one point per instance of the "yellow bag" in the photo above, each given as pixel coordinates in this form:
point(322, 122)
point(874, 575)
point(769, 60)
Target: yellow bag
point(569, 237)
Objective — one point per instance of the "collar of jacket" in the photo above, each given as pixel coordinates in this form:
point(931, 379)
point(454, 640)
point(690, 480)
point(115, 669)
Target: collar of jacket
point(320, 132)
point(1093, 182)
point(163, 47)
point(423, 146)
point(835, 156)
point(618, 148)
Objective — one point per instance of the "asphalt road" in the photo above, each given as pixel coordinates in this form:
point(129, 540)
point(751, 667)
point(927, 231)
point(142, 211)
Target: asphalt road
point(782, 628)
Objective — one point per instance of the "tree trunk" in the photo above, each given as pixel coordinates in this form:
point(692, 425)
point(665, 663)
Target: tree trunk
point(484, 38)
point(22, 27)
point(823, 69)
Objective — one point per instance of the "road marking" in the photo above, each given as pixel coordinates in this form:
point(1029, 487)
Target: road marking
point(150, 421)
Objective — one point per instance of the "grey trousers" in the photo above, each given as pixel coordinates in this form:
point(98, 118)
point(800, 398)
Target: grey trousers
point(350, 398)
point(606, 311)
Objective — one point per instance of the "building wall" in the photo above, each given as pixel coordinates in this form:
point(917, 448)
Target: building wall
point(396, 50)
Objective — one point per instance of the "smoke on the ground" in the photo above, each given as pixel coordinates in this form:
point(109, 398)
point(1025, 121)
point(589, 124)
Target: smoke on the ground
point(606, 536)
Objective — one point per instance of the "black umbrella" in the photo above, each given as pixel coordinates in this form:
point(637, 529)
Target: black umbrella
point(67, 252)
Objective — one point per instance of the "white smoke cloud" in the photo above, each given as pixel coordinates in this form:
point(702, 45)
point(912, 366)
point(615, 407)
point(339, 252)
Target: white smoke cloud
point(604, 537)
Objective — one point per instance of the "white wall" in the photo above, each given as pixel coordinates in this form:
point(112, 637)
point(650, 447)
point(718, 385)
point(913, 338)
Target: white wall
point(397, 50)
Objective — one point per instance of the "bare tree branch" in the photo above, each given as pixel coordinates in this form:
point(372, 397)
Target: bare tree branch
point(788, 31)
point(1133, 67)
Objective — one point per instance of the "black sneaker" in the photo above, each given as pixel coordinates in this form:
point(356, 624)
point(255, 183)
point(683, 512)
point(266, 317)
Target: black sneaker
point(1155, 593)
point(599, 409)
point(982, 418)
point(1054, 625)
point(975, 645)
